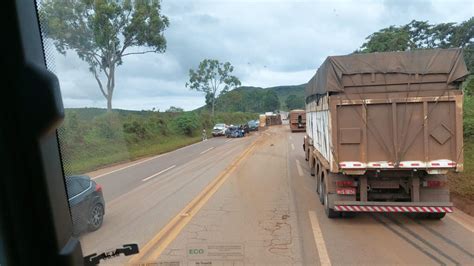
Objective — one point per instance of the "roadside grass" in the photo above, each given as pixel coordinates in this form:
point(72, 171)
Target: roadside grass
point(92, 138)
point(463, 183)
point(113, 153)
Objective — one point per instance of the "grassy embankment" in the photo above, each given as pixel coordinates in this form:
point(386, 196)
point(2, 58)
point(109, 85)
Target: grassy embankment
point(463, 183)
point(91, 138)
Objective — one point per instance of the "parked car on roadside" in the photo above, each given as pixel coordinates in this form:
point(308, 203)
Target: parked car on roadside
point(253, 125)
point(234, 132)
point(86, 203)
point(219, 130)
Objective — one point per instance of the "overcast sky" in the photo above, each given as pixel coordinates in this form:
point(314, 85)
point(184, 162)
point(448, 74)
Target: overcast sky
point(270, 43)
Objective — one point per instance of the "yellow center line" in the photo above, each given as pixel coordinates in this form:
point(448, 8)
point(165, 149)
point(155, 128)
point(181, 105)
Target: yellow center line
point(152, 250)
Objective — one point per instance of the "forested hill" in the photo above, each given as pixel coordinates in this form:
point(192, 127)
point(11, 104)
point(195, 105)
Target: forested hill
point(259, 100)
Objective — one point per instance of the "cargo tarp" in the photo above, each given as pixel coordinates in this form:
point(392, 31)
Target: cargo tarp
point(328, 78)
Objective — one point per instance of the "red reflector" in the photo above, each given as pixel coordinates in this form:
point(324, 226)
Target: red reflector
point(376, 164)
point(342, 164)
point(346, 191)
point(345, 183)
point(98, 188)
point(452, 164)
point(390, 164)
point(357, 164)
point(435, 164)
point(434, 183)
point(415, 164)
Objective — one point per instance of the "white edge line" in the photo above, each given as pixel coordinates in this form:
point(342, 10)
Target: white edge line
point(159, 173)
point(460, 222)
point(144, 161)
point(292, 146)
point(125, 167)
point(319, 239)
point(291, 137)
point(298, 166)
point(207, 150)
point(228, 140)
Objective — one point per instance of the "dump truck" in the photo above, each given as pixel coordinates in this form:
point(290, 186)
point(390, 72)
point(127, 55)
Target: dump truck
point(297, 120)
point(272, 119)
point(384, 129)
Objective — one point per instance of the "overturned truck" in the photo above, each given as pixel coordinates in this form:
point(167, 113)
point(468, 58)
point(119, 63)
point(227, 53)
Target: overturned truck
point(384, 129)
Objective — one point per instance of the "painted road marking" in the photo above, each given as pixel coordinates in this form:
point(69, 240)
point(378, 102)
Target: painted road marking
point(144, 161)
point(128, 166)
point(159, 173)
point(228, 140)
point(291, 137)
point(319, 239)
point(152, 250)
point(207, 150)
point(292, 146)
point(457, 217)
point(298, 166)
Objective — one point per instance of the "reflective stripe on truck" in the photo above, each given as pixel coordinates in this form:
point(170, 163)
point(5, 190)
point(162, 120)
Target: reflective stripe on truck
point(402, 164)
point(404, 207)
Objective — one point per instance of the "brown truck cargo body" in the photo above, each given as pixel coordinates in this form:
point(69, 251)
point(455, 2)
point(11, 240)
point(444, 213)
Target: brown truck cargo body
point(384, 129)
point(272, 120)
point(297, 120)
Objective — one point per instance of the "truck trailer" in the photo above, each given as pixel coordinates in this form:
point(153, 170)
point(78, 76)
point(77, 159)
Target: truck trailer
point(297, 120)
point(384, 129)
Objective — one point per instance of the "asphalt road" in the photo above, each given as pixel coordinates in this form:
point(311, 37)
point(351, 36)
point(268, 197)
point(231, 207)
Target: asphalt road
point(142, 196)
point(263, 211)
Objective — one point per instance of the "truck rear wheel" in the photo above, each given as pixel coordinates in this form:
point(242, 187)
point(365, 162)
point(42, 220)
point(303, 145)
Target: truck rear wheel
point(436, 216)
point(320, 191)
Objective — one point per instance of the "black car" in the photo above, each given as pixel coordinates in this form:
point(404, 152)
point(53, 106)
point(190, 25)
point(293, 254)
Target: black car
point(253, 125)
point(86, 203)
point(231, 131)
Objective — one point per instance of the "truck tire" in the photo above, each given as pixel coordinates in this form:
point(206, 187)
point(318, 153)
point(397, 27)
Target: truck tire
point(436, 216)
point(330, 213)
point(320, 191)
point(313, 167)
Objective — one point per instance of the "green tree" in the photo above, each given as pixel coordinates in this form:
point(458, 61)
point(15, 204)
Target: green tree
point(294, 102)
point(271, 101)
point(187, 123)
point(422, 35)
point(102, 31)
point(468, 86)
point(174, 109)
point(213, 78)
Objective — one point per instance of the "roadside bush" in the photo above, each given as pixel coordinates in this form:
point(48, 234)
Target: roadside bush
point(187, 124)
point(468, 117)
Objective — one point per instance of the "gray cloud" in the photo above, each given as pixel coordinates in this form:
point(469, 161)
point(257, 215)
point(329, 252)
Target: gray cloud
point(269, 42)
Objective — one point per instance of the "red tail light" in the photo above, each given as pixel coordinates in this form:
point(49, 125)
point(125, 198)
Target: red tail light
point(435, 183)
point(345, 183)
point(98, 188)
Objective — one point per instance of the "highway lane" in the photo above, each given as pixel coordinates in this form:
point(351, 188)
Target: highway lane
point(265, 211)
point(269, 213)
point(141, 197)
point(118, 179)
